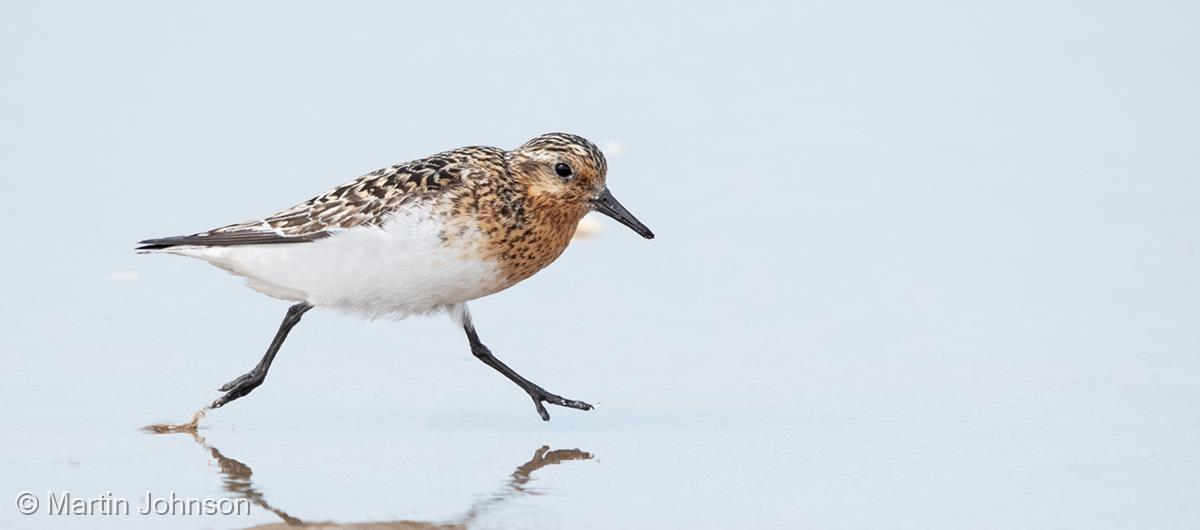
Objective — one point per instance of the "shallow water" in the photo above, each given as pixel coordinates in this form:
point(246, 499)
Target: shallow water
point(919, 266)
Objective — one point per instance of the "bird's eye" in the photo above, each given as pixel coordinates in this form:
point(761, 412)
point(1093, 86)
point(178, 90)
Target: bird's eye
point(562, 169)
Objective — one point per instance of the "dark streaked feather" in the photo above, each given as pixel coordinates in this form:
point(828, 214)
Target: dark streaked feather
point(218, 239)
point(366, 200)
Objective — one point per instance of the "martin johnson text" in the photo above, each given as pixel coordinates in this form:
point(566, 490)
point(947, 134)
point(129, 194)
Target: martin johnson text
point(65, 503)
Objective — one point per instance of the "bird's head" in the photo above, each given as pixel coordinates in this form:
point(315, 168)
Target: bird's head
point(569, 171)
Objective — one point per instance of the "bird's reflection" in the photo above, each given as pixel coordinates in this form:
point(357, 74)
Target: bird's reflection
point(236, 478)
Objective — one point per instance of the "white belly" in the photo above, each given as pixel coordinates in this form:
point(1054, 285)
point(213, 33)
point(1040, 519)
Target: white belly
point(396, 270)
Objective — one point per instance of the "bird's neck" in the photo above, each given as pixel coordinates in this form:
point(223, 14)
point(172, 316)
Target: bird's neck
point(532, 234)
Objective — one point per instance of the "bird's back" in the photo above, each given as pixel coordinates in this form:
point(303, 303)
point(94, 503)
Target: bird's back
point(368, 200)
point(394, 242)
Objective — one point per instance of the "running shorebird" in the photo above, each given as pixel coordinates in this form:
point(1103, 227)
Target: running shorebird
point(417, 238)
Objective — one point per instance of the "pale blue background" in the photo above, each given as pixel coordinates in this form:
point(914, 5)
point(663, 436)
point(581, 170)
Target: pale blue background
point(920, 265)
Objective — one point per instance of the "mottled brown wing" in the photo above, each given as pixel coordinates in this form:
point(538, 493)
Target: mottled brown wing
point(366, 200)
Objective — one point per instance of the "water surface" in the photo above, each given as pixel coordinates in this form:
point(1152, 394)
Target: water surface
point(920, 266)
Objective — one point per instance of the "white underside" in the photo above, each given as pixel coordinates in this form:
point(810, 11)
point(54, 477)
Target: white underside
point(399, 269)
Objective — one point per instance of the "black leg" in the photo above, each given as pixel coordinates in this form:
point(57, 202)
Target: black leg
point(248, 381)
point(538, 393)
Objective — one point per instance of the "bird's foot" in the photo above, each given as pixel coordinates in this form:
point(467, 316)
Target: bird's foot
point(239, 387)
point(540, 395)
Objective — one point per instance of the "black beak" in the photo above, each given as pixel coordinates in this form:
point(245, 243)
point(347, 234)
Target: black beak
point(607, 204)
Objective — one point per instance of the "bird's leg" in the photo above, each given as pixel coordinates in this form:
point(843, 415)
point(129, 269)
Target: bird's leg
point(536, 392)
point(248, 381)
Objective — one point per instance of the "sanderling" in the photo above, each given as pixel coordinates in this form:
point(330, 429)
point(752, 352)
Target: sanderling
point(421, 237)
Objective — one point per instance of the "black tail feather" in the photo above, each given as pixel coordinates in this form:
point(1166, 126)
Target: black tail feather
point(226, 239)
